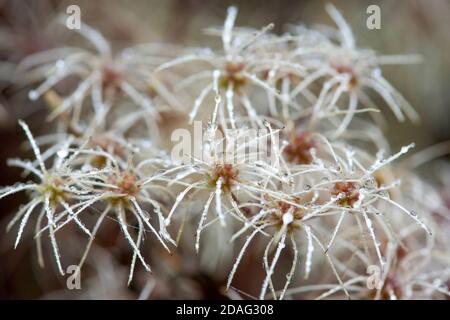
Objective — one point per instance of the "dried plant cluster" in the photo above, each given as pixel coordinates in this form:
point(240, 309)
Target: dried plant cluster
point(312, 223)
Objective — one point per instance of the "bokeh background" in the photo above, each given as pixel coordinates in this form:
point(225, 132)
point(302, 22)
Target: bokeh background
point(415, 26)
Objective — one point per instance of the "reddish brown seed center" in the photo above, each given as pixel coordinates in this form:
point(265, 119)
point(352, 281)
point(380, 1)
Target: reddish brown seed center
point(227, 173)
point(280, 208)
point(111, 78)
point(348, 193)
point(233, 76)
point(298, 150)
point(126, 183)
point(343, 69)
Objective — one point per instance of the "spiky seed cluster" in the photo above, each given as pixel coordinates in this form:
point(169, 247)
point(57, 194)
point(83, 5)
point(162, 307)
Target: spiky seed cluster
point(320, 195)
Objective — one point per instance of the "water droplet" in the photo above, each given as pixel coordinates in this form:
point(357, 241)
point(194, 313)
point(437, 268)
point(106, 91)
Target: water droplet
point(325, 179)
point(216, 73)
point(377, 72)
point(33, 95)
point(62, 153)
point(285, 177)
point(413, 213)
point(60, 65)
point(383, 193)
point(307, 187)
point(369, 183)
point(404, 149)
point(86, 168)
point(288, 218)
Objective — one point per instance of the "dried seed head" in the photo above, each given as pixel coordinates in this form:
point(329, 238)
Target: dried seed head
point(126, 185)
point(284, 213)
point(349, 71)
point(126, 182)
point(348, 193)
point(111, 78)
point(53, 187)
point(233, 76)
point(227, 173)
point(298, 150)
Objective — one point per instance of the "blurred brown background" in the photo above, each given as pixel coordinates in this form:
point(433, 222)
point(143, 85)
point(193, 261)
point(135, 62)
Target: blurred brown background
point(416, 26)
